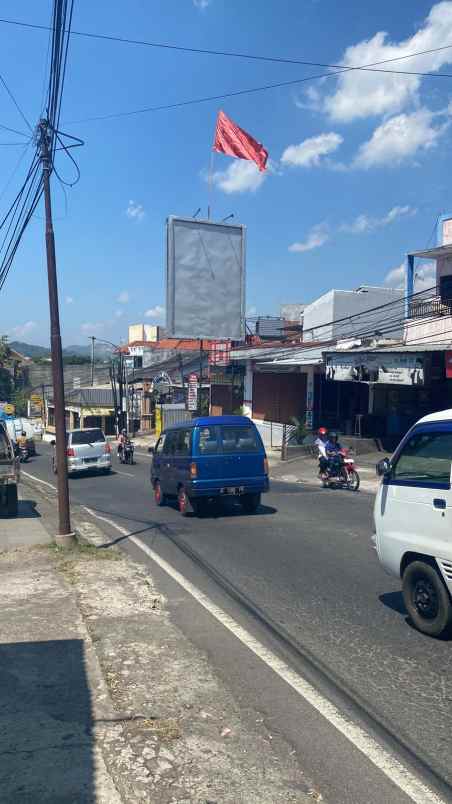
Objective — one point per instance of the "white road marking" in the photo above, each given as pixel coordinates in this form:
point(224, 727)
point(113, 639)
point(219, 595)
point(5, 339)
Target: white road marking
point(126, 474)
point(398, 774)
point(38, 480)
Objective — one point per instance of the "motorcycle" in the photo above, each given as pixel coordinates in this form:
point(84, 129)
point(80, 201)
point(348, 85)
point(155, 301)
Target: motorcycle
point(24, 454)
point(126, 453)
point(341, 472)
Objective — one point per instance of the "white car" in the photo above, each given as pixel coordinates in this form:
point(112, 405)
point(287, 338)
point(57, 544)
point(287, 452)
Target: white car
point(413, 521)
point(86, 450)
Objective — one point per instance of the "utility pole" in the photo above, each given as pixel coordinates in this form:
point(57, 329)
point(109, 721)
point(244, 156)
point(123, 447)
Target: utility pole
point(92, 339)
point(65, 537)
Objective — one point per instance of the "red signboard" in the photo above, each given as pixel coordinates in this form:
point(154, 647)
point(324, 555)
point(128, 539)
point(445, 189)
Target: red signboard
point(219, 353)
point(448, 358)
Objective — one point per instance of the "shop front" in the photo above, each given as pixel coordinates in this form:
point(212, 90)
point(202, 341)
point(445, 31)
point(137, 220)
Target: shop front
point(381, 393)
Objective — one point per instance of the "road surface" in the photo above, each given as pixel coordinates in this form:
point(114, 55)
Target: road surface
point(302, 578)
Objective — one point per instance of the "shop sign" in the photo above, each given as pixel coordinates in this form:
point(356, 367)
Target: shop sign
point(448, 359)
point(387, 369)
point(192, 395)
point(136, 351)
point(219, 353)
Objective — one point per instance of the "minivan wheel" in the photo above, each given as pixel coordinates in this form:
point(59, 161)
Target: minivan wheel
point(182, 501)
point(250, 502)
point(426, 599)
point(159, 496)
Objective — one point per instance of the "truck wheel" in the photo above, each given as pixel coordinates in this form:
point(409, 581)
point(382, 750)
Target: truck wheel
point(426, 599)
point(11, 501)
point(250, 503)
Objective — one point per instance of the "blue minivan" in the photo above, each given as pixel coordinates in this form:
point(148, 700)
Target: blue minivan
point(209, 458)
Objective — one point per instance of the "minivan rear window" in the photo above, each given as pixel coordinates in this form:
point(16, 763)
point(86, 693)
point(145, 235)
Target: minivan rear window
point(94, 436)
point(239, 438)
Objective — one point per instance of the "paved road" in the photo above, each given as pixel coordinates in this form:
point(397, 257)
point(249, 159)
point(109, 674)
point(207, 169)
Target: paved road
point(302, 576)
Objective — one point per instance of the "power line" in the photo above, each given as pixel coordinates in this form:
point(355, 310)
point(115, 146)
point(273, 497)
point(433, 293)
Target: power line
point(228, 53)
point(14, 131)
point(5, 85)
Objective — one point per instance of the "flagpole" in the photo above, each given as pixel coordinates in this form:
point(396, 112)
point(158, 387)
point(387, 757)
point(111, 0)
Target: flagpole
point(210, 184)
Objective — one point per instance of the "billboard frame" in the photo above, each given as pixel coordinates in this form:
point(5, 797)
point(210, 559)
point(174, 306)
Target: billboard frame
point(171, 278)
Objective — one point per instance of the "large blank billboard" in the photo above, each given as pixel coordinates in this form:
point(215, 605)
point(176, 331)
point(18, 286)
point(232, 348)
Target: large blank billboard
point(205, 279)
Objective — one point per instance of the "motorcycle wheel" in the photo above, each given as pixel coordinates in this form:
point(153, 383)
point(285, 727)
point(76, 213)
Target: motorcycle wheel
point(353, 480)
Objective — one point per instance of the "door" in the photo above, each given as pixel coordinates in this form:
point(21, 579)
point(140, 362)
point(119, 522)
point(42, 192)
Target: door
point(157, 461)
point(167, 480)
point(182, 457)
point(414, 508)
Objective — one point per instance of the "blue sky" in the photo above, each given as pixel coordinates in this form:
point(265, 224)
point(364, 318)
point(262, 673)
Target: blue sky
point(359, 164)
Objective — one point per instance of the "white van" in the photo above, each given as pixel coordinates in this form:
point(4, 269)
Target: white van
point(413, 521)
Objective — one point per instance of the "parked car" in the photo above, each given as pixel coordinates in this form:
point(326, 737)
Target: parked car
point(210, 458)
point(86, 450)
point(413, 521)
point(9, 474)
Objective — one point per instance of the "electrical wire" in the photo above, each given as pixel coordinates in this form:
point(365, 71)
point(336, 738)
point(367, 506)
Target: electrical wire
point(229, 53)
point(14, 131)
point(6, 87)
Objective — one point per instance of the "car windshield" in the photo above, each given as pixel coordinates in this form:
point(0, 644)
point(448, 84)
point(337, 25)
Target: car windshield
point(4, 446)
point(94, 436)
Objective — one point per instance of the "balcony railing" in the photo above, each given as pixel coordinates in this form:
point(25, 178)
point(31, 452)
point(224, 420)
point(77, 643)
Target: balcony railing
point(430, 308)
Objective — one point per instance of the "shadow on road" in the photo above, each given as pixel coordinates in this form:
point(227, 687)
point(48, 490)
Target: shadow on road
point(46, 736)
point(394, 601)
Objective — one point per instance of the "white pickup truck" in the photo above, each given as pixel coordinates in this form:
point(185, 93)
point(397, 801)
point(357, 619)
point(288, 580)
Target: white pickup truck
point(9, 474)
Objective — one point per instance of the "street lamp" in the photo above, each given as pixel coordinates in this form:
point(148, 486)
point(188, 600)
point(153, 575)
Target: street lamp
point(118, 407)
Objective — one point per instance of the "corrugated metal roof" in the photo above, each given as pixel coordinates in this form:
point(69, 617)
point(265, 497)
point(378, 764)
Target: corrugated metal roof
point(433, 253)
point(391, 348)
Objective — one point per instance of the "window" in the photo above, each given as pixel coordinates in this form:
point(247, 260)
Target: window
point(95, 436)
point(425, 459)
point(239, 439)
point(4, 447)
point(208, 443)
point(160, 445)
point(170, 442)
point(183, 446)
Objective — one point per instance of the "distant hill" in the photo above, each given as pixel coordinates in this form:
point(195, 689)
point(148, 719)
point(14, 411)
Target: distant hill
point(30, 350)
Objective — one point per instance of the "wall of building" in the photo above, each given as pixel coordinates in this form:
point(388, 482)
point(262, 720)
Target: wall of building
point(340, 304)
point(431, 330)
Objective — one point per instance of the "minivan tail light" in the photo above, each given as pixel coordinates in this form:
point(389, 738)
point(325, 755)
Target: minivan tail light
point(265, 466)
point(70, 453)
point(107, 448)
point(193, 471)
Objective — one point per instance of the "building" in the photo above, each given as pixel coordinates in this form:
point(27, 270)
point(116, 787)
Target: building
point(144, 333)
point(339, 313)
point(85, 407)
point(380, 387)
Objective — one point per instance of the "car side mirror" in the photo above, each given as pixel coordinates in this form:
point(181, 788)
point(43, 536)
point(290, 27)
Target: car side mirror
point(53, 443)
point(384, 467)
point(151, 450)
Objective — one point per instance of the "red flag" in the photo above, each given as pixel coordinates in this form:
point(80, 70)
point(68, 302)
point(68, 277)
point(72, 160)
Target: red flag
point(232, 140)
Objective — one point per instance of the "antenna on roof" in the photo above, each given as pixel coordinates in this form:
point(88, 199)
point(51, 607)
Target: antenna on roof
point(197, 212)
point(228, 217)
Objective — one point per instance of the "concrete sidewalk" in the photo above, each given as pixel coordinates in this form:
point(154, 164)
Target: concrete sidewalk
point(103, 699)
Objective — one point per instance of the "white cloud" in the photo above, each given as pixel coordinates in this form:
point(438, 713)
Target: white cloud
point(362, 94)
point(366, 223)
point(69, 300)
point(424, 278)
point(240, 177)
point(135, 211)
point(124, 297)
point(396, 277)
point(92, 328)
point(155, 312)
point(202, 4)
point(316, 238)
point(22, 330)
point(309, 153)
point(400, 138)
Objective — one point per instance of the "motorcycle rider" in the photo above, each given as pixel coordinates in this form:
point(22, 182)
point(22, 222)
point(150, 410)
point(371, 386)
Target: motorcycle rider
point(22, 441)
point(122, 440)
point(333, 452)
point(320, 443)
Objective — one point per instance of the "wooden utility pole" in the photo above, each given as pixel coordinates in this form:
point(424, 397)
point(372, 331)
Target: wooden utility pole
point(92, 359)
point(65, 537)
